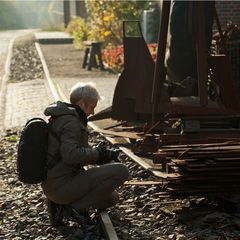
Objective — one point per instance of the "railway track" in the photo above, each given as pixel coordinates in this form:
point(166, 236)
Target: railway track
point(104, 218)
point(160, 203)
point(146, 211)
point(58, 94)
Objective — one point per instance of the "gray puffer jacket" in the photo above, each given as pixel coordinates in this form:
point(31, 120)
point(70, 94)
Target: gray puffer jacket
point(70, 125)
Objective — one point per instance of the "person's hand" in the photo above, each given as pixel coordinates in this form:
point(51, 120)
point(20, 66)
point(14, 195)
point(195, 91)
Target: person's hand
point(106, 155)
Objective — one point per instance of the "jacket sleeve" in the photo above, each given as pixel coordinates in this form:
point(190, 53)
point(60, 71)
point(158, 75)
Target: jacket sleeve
point(72, 148)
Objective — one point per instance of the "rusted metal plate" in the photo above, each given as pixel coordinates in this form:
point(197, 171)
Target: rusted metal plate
point(223, 75)
point(160, 97)
point(140, 94)
point(132, 96)
point(106, 113)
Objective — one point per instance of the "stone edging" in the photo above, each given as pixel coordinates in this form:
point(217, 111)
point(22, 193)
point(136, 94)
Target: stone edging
point(5, 79)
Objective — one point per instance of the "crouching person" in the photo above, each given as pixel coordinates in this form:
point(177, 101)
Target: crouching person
point(70, 189)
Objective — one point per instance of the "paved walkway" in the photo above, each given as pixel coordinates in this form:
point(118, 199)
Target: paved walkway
point(65, 67)
point(28, 99)
point(5, 39)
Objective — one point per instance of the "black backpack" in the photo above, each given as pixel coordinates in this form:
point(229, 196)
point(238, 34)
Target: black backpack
point(32, 151)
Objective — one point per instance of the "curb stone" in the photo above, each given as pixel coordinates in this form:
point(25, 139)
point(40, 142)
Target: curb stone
point(5, 78)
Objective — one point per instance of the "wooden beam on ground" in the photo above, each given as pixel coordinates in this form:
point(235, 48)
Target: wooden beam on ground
point(132, 135)
point(145, 165)
point(134, 157)
point(143, 183)
point(107, 226)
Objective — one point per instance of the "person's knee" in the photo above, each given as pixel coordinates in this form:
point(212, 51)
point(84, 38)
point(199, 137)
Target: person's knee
point(115, 196)
point(122, 171)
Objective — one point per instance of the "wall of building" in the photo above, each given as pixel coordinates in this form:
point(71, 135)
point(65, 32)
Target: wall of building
point(228, 11)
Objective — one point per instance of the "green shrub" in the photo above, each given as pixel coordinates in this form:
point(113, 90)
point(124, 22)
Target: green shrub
point(78, 28)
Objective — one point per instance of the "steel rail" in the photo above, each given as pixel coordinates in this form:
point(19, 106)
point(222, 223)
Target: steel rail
point(58, 95)
point(131, 155)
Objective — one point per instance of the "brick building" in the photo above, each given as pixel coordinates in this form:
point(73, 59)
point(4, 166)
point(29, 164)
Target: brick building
point(228, 11)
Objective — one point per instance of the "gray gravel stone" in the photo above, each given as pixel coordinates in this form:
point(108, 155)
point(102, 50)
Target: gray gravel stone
point(144, 212)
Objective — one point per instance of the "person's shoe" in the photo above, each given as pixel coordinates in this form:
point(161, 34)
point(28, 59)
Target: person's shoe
point(54, 213)
point(72, 214)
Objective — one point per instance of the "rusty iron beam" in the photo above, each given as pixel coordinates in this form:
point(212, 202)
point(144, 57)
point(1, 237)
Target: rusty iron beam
point(159, 71)
point(201, 49)
point(132, 95)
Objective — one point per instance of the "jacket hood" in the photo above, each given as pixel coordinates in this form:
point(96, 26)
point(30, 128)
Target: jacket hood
point(60, 108)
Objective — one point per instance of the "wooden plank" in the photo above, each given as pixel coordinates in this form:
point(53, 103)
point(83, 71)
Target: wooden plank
point(199, 156)
point(212, 188)
point(188, 175)
point(132, 135)
point(143, 183)
point(213, 163)
point(107, 226)
point(115, 125)
point(218, 159)
point(203, 192)
point(216, 148)
point(216, 117)
point(144, 164)
point(199, 178)
point(222, 148)
point(189, 146)
point(237, 158)
point(197, 138)
point(137, 159)
point(212, 169)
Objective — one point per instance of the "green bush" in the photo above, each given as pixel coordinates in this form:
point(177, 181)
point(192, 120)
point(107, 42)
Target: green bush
point(105, 21)
point(78, 28)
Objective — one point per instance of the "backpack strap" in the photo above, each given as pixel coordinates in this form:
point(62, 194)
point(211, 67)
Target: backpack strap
point(51, 131)
point(33, 119)
point(57, 157)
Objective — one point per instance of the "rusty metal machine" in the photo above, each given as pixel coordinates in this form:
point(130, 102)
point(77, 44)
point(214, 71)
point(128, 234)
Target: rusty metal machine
point(140, 93)
point(195, 137)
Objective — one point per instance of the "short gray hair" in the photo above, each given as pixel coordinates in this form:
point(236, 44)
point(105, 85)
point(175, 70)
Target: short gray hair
point(85, 91)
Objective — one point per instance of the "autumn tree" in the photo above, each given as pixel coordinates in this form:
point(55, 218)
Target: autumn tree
point(106, 17)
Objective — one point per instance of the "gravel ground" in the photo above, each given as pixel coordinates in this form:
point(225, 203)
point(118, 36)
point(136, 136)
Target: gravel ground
point(23, 213)
point(25, 64)
point(144, 212)
point(148, 212)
